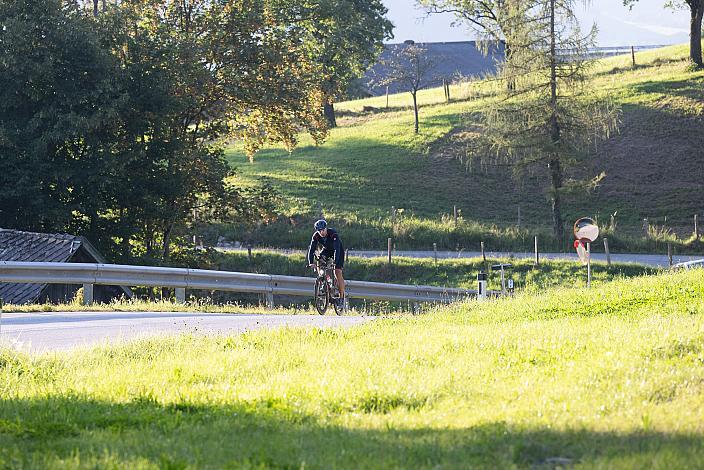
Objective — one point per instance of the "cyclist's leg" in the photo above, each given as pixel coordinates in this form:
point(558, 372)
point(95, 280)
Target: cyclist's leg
point(340, 282)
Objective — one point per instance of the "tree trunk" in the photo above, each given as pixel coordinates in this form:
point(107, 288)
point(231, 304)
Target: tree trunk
point(329, 112)
point(415, 110)
point(95, 8)
point(695, 32)
point(555, 134)
point(556, 184)
point(167, 242)
point(511, 82)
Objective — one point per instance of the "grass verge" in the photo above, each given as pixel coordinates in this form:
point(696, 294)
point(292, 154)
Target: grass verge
point(607, 378)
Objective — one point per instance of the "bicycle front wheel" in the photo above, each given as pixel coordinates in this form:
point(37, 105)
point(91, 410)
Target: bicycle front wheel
point(321, 296)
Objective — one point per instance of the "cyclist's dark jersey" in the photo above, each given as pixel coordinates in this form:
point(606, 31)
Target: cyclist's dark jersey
point(331, 247)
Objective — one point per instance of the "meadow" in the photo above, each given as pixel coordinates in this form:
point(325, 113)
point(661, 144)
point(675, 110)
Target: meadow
point(373, 178)
point(610, 377)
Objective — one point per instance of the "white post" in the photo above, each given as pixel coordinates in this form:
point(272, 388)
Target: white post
point(589, 265)
point(537, 253)
point(87, 294)
point(481, 286)
point(180, 295)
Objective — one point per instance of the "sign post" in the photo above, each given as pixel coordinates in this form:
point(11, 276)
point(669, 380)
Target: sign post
point(586, 231)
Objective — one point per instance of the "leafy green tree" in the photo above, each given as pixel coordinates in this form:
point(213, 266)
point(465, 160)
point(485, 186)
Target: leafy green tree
point(113, 125)
point(346, 38)
point(57, 103)
point(696, 10)
point(550, 118)
point(194, 74)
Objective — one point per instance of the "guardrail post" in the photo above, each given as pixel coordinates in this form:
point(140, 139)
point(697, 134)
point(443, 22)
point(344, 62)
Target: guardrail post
point(269, 295)
point(87, 294)
point(181, 295)
point(481, 285)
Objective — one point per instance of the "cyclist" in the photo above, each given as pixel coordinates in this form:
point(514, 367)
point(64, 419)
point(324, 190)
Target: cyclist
point(332, 247)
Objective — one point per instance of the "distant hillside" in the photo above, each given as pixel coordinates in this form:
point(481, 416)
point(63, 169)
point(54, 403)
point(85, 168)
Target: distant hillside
point(654, 168)
point(454, 60)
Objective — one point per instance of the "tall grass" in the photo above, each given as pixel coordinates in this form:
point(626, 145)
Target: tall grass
point(611, 377)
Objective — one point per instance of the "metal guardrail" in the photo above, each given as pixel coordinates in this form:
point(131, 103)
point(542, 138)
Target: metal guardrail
point(90, 274)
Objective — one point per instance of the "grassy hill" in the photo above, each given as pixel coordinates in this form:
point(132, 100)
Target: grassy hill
point(373, 163)
point(610, 377)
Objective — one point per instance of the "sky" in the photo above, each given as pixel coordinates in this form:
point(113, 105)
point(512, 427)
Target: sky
point(648, 23)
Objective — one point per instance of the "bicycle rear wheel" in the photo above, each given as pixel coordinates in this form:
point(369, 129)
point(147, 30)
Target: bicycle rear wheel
point(321, 296)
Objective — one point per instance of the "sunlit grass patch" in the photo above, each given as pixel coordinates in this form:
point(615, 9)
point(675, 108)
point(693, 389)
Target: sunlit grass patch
point(608, 377)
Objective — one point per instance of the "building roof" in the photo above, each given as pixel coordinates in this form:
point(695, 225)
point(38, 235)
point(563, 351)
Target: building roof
point(453, 60)
point(38, 247)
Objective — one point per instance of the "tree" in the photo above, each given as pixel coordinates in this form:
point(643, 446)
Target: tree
point(346, 38)
point(113, 126)
point(696, 9)
point(409, 66)
point(195, 73)
point(492, 20)
point(550, 118)
point(58, 96)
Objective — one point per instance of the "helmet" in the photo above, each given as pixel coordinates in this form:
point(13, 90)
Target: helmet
point(320, 225)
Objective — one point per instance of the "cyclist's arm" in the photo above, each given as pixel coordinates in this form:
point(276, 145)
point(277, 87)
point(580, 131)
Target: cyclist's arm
point(338, 249)
point(311, 250)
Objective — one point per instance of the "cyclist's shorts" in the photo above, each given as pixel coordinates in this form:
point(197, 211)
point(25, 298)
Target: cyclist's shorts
point(339, 263)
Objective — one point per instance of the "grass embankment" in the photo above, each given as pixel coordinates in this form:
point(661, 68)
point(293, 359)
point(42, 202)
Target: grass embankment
point(446, 272)
point(373, 162)
point(610, 378)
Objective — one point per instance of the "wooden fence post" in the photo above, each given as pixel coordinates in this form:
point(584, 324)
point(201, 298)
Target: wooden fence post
point(519, 216)
point(606, 249)
point(389, 250)
point(633, 56)
point(455, 213)
point(669, 253)
point(483, 253)
point(696, 228)
point(435, 250)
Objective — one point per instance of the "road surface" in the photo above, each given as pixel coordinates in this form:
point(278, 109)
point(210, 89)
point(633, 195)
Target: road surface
point(54, 331)
point(649, 260)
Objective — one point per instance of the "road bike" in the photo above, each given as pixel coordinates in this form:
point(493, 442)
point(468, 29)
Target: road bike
point(326, 291)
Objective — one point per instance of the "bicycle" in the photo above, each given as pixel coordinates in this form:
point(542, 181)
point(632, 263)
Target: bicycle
point(326, 290)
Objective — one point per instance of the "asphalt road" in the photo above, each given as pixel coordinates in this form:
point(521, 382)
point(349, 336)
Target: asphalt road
point(649, 260)
point(54, 331)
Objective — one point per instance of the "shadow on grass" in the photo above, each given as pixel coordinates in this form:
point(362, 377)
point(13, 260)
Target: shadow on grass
point(272, 433)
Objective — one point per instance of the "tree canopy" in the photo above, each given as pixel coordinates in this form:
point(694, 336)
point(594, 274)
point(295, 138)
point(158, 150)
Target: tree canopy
point(113, 119)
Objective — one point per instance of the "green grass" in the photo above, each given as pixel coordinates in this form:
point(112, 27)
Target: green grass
point(373, 163)
point(457, 272)
point(611, 377)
